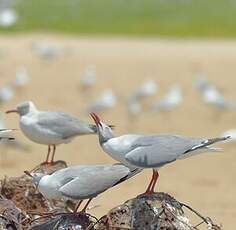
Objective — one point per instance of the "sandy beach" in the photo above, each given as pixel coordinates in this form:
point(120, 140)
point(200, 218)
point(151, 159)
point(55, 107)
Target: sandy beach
point(206, 182)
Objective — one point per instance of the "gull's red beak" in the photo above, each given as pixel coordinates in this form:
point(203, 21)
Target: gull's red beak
point(12, 111)
point(96, 119)
point(28, 173)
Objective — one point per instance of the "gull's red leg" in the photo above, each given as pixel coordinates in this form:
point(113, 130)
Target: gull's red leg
point(150, 184)
point(85, 207)
point(156, 176)
point(48, 154)
point(53, 153)
point(77, 206)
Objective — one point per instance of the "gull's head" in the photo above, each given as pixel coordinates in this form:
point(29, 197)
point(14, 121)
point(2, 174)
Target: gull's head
point(104, 131)
point(36, 177)
point(23, 108)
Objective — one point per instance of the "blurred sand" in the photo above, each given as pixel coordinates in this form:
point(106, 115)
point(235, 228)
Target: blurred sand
point(206, 182)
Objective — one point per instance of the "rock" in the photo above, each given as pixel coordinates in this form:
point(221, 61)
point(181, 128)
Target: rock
point(10, 215)
point(66, 221)
point(23, 193)
point(50, 168)
point(23, 207)
point(157, 211)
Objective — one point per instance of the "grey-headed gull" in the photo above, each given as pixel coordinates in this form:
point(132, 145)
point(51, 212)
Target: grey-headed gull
point(50, 128)
point(81, 182)
point(170, 101)
point(150, 151)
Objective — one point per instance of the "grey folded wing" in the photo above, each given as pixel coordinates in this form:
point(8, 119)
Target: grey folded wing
point(64, 125)
point(156, 151)
point(94, 181)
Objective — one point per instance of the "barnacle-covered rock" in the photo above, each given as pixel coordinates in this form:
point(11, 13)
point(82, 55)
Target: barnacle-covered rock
point(156, 211)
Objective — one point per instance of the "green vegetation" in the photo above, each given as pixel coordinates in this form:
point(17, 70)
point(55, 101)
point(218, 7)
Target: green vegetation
point(178, 18)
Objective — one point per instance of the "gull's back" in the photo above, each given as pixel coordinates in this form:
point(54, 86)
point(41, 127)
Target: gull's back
point(64, 125)
point(89, 181)
point(158, 150)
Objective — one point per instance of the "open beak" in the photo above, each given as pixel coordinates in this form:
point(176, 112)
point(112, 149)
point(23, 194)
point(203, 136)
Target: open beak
point(12, 111)
point(96, 119)
point(28, 173)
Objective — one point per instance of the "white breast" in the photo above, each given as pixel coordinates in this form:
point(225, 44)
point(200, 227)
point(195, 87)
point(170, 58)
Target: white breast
point(39, 134)
point(118, 147)
point(49, 188)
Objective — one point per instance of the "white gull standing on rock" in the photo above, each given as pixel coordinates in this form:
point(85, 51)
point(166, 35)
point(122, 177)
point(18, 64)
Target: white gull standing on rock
point(50, 128)
point(81, 182)
point(150, 151)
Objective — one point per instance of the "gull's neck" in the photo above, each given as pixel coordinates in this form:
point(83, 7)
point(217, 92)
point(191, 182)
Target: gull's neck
point(103, 139)
point(105, 133)
point(32, 111)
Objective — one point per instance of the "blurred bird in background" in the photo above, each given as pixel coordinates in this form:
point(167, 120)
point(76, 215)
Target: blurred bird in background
point(47, 51)
point(211, 95)
point(88, 79)
point(6, 94)
point(147, 89)
point(171, 100)
point(134, 101)
point(8, 15)
point(106, 100)
point(21, 79)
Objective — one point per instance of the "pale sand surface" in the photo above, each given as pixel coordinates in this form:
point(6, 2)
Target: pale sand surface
point(206, 182)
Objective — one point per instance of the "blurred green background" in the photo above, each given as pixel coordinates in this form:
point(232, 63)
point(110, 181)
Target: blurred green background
point(175, 18)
